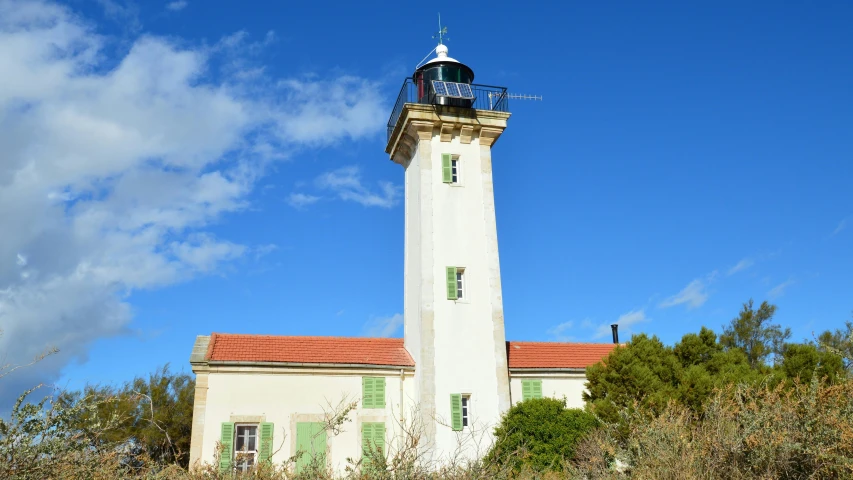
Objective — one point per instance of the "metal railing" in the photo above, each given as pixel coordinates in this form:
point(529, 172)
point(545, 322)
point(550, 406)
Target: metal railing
point(486, 97)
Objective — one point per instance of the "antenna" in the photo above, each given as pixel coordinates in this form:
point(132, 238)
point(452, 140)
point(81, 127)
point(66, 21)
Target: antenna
point(442, 31)
point(514, 96)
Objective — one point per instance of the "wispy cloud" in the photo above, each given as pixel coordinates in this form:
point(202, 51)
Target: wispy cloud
point(346, 183)
point(301, 200)
point(383, 326)
point(177, 5)
point(625, 322)
point(558, 332)
point(741, 265)
point(694, 295)
point(779, 290)
point(264, 250)
point(841, 226)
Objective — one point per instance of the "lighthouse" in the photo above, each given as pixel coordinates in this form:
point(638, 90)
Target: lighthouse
point(442, 131)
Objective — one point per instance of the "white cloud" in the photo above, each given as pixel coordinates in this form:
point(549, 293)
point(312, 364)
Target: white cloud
point(625, 321)
point(558, 332)
point(779, 290)
point(841, 226)
point(301, 200)
point(383, 326)
point(177, 5)
point(741, 265)
point(347, 185)
point(111, 169)
point(694, 295)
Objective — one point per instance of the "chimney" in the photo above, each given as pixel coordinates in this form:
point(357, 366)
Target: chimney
point(615, 328)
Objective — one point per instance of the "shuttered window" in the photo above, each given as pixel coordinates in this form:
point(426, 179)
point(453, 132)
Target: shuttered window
point(373, 392)
point(265, 450)
point(447, 168)
point(372, 438)
point(531, 389)
point(226, 439)
point(310, 444)
point(456, 411)
point(452, 286)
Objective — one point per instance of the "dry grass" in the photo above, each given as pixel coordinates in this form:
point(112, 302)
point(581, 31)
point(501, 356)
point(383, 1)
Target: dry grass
point(799, 432)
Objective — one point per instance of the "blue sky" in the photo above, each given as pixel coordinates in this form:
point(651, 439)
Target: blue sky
point(192, 167)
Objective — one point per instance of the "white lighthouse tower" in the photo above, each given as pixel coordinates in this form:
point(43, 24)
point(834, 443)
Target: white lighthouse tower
point(442, 131)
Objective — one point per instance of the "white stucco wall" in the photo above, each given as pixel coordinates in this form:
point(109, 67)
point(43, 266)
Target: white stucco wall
point(289, 396)
point(465, 360)
point(554, 385)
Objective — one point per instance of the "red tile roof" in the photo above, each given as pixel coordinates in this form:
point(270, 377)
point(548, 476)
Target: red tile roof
point(555, 355)
point(331, 350)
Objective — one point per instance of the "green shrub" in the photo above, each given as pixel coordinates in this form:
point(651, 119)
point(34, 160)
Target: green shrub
point(539, 434)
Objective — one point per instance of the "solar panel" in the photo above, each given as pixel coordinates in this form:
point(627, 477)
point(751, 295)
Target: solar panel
point(452, 89)
point(440, 88)
point(465, 91)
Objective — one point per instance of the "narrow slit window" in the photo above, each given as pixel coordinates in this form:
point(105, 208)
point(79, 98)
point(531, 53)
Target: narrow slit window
point(454, 170)
point(460, 276)
point(466, 409)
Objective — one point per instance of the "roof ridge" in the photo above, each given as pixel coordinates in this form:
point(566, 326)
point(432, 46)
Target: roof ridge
point(559, 343)
point(331, 337)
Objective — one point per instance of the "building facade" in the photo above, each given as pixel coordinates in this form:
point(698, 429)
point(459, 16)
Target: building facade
point(452, 376)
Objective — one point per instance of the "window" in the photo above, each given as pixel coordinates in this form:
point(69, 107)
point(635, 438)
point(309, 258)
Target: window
point(450, 168)
point(311, 445)
point(372, 438)
point(373, 392)
point(245, 447)
point(466, 409)
point(455, 283)
point(531, 389)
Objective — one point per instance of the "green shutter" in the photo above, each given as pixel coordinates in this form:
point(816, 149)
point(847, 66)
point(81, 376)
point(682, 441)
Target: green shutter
point(303, 445)
point(451, 283)
point(265, 447)
point(368, 385)
point(319, 441)
point(310, 439)
point(446, 168)
point(531, 389)
point(379, 392)
point(372, 438)
point(537, 388)
point(456, 411)
point(226, 439)
point(366, 438)
point(379, 436)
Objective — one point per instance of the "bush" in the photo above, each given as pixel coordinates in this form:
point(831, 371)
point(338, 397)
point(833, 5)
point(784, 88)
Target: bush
point(539, 434)
point(800, 431)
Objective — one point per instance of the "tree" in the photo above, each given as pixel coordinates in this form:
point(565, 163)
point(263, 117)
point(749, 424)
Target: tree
point(155, 416)
point(840, 342)
point(753, 333)
point(540, 434)
point(644, 371)
point(802, 361)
